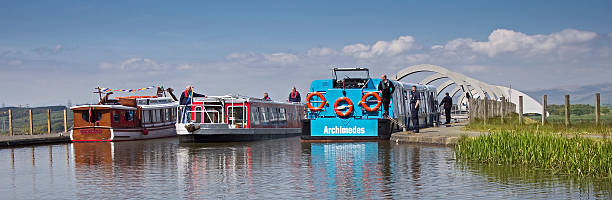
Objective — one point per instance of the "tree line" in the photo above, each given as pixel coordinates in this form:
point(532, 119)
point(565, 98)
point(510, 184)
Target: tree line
point(577, 109)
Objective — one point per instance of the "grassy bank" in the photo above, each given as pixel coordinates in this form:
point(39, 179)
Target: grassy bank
point(533, 126)
point(568, 155)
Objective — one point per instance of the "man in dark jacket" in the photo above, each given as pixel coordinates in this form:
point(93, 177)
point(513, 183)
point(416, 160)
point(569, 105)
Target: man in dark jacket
point(185, 100)
point(294, 96)
point(266, 97)
point(447, 101)
point(386, 88)
point(415, 103)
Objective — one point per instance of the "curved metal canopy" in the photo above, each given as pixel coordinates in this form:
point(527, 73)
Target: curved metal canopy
point(469, 86)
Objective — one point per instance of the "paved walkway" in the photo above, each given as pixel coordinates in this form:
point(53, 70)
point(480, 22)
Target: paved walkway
point(442, 135)
point(20, 140)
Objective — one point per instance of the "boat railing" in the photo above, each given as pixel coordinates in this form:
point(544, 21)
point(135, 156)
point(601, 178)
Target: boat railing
point(184, 113)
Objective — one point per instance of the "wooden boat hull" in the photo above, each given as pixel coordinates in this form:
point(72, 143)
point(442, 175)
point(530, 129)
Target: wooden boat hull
point(110, 134)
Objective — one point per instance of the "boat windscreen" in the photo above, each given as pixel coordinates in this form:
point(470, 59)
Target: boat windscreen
point(351, 73)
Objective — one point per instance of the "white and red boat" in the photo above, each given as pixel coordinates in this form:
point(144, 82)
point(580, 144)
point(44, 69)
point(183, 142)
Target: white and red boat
point(233, 118)
point(125, 118)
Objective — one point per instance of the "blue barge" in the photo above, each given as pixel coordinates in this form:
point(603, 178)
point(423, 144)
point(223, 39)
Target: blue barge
point(349, 107)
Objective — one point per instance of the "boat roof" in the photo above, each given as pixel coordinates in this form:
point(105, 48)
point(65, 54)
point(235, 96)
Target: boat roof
point(157, 106)
point(102, 106)
point(235, 98)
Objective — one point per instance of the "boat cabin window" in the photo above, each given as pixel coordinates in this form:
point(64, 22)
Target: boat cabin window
point(255, 115)
point(95, 116)
point(264, 114)
point(235, 114)
point(283, 114)
point(146, 116)
point(116, 116)
point(156, 116)
point(173, 114)
point(129, 116)
point(273, 114)
point(167, 114)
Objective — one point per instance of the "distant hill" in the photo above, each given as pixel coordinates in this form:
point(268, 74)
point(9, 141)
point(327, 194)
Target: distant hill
point(578, 95)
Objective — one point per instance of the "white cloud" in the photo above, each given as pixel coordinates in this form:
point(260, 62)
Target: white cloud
point(49, 50)
point(355, 48)
point(384, 48)
point(321, 52)
point(140, 64)
point(256, 58)
point(281, 58)
point(416, 58)
point(509, 41)
point(185, 67)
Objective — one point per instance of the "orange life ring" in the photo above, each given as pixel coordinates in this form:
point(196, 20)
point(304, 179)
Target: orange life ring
point(312, 108)
point(350, 109)
point(365, 98)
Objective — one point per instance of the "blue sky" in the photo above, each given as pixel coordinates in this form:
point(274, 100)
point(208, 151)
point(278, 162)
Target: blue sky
point(51, 45)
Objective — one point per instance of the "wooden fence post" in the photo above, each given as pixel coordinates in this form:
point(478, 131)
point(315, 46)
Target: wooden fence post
point(597, 109)
point(544, 104)
point(65, 122)
point(49, 121)
point(486, 110)
point(470, 109)
point(10, 119)
point(31, 123)
point(520, 110)
point(567, 110)
point(501, 107)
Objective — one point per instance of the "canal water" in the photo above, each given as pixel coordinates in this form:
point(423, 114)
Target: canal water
point(282, 168)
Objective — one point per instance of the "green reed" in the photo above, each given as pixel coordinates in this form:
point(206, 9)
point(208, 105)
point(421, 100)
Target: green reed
point(573, 155)
point(511, 123)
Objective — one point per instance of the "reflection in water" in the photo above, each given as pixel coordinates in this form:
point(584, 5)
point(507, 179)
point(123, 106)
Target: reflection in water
point(548, 185)
point(347, 169)
point(286, 168)
point(116, 168)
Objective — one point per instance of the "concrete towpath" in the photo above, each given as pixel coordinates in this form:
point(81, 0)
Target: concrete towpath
point(442, 135)
point(21, 140)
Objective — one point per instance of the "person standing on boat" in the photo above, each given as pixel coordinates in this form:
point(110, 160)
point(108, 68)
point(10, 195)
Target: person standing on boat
point(415, 101)
point(447, 101)
point(386, 88)
point(266, 97)
point(294, 96)
point(185, 101)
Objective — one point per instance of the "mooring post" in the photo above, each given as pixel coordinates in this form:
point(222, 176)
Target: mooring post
point(65, 122)
point(486, 109)
point(501, 108)
point(10, 119)
point(544, 104)
point(520, 110)
point(49, 121)
point(31, 123)
point(597, 109)
point(567, 110)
